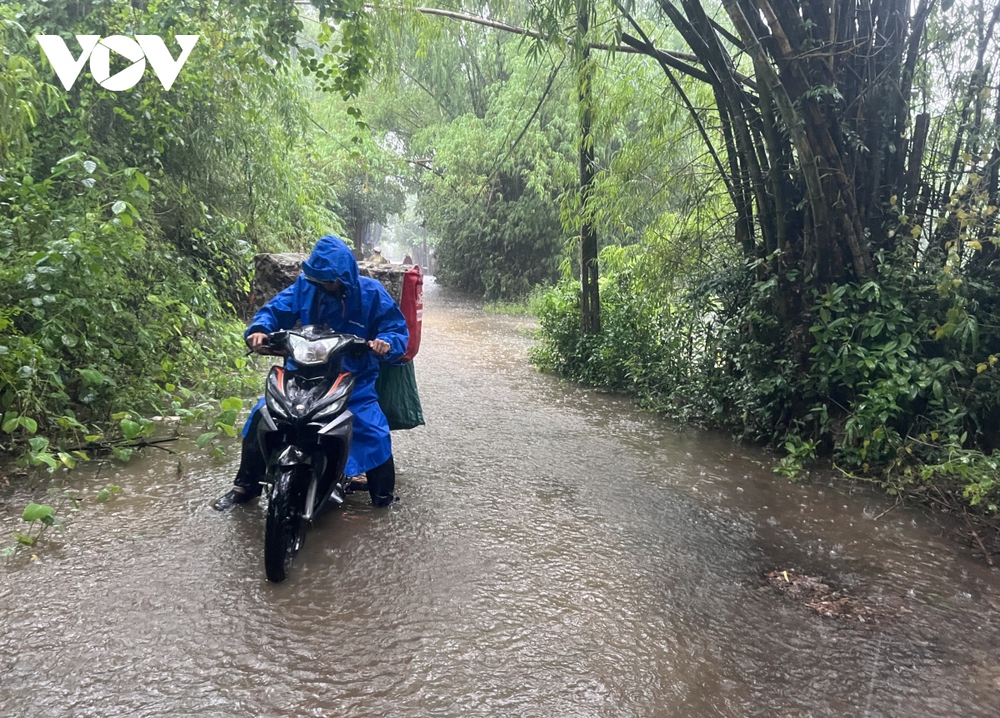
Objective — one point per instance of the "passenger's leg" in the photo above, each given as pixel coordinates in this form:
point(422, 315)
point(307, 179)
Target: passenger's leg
point(382, 482)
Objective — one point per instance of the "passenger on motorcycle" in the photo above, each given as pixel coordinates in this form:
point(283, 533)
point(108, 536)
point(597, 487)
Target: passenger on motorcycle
point(330, 292)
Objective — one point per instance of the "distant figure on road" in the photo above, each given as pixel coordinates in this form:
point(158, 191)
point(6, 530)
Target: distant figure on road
point(407, 259)
point(377, 257)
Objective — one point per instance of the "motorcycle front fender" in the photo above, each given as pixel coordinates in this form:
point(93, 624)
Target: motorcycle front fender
point(293, 456)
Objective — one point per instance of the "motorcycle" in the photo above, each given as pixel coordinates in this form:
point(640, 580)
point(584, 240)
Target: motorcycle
point(305, 431)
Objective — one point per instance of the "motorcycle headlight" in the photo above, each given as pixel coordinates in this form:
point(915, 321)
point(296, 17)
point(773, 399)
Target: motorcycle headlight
point(331, 409)
point(275, 406)
point(311, 352)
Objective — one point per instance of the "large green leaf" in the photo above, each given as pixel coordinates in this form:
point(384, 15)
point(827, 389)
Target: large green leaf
point(37, 512)
point(205, 438)
point(227, 417)
point(130, 429)
point(93, 377)
point(233, 403)
point(10, 424)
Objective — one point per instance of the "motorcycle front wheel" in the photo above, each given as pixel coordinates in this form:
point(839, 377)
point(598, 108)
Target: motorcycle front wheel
point(285, 529)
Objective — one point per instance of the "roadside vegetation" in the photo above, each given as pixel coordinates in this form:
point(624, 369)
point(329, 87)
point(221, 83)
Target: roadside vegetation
point(850, 312)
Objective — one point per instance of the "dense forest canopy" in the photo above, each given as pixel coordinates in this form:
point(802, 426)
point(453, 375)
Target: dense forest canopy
point(794, 205)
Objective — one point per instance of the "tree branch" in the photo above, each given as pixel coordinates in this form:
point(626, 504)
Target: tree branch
point(680, 61)
point(680, 91)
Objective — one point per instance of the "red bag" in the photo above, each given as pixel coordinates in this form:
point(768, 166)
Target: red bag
point(412, 306)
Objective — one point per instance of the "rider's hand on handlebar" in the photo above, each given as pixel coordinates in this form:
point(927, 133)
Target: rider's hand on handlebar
point(256, 341)
point(379, 347)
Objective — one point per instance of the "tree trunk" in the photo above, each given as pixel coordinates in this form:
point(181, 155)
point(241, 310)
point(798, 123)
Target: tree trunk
point(590, 299)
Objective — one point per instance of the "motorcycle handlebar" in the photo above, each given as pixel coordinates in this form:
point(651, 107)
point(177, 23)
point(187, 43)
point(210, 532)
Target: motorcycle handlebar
point(274, 345)
point(359, 347)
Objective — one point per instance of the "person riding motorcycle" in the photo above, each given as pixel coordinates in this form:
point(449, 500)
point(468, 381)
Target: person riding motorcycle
point(330, 292)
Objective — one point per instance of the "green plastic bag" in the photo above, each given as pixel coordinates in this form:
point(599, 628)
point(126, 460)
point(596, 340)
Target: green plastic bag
point(397, 395)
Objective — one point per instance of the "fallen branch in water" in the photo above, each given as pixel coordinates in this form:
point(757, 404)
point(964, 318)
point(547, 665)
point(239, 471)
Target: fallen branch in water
point(108, 445)
point(153, 445)
point(898, 502)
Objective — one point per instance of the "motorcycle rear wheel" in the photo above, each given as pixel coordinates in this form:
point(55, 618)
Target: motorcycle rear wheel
point(285, 529)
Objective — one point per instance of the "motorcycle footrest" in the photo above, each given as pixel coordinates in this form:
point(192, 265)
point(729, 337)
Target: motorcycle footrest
point(357, 483)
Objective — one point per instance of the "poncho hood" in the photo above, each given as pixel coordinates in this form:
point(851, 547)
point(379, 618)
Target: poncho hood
point(332, 259)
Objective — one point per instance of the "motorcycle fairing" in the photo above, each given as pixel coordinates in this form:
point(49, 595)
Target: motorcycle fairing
point(336, 437)
point(298, 399)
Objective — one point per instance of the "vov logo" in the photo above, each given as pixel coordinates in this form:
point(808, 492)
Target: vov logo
point(98, 51)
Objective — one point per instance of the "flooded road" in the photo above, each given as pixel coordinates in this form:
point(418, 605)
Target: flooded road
point(556, 553)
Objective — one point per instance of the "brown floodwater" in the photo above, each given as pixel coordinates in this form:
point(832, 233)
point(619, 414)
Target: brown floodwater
point(556, 552)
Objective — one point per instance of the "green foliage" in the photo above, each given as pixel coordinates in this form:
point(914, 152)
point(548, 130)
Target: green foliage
point(500, 250)
point(223, 425)
point(40, 518)
point(493, 200)
point(895, 378)
point(645, 346)
point(529, 305)
point(129, 221)
point(800, 452)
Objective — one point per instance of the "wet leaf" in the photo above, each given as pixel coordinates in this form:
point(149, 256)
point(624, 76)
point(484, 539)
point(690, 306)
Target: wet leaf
point(233, 403)
point(226, 418)
point(36, 512)
point(93, 377)
point(130, 429)
point(205, 438)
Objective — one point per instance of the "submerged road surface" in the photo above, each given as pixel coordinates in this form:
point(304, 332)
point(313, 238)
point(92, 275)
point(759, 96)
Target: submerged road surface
point(556, 553)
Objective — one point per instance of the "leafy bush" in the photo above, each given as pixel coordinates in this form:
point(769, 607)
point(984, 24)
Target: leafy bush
point(128, 222)
point(896, 377)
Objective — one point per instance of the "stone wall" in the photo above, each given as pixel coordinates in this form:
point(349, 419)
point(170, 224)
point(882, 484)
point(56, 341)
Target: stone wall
point(274, 272)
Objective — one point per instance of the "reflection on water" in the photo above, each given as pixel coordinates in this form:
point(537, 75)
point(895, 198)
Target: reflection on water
point(556, 553)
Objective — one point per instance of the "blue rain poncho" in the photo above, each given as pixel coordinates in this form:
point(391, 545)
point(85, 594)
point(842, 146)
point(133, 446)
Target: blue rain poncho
point(366, 310)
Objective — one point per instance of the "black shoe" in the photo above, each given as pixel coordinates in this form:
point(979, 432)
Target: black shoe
point(231, 498)
point(380, 501)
